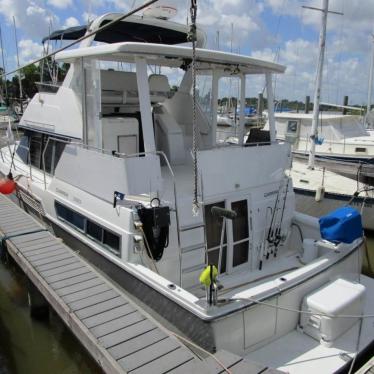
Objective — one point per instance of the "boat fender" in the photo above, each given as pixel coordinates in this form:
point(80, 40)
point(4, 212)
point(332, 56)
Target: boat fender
point(7, 185)
point(208, 274)
point(320, 193)
point(156, 222)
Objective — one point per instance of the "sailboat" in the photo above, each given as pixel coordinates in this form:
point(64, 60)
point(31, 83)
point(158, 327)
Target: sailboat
point(130, 174)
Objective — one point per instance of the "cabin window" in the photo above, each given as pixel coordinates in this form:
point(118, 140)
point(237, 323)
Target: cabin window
point(240, 233)
point(32, 147)
point(292, 127)
point(35, 143)
point(360, 150)
point(23, 149)
point(213, 236)
point(68, 215)
point(94, 231)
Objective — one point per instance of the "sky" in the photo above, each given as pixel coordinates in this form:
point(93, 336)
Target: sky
point(276, 30)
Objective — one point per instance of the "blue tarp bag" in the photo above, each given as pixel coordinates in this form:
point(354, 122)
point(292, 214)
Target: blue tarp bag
point(343, 225)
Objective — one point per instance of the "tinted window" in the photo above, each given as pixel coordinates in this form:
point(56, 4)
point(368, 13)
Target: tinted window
point(240, 232)
point(23, 149)
point(70, 216)
point(91, 229)
point(36, 150)
point(111, 240)
point(94, 230)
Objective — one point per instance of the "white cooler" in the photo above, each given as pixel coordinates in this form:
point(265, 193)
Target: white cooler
point(340, 297)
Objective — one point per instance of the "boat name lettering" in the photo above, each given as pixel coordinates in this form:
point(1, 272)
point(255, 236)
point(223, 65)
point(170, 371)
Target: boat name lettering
point(267, 194)
point(77, 200)
point(61, 192)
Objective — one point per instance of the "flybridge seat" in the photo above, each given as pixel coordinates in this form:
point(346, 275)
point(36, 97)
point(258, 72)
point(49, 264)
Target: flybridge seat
point(159, 88)
point(120, 88)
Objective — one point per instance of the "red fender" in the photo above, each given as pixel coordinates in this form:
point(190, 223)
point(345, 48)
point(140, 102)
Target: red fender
point(7, 186)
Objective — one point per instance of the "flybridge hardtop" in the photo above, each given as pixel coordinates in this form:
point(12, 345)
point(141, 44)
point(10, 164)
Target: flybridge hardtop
point(132, 29)
point(173, 56)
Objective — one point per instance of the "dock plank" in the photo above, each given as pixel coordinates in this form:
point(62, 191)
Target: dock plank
point(72, 281)
point(108, 315)
point(166, 363)
point(82, 285)
point(101, 307)
point(137, 344)
point(86, 293)
point(93, 300)
point(117, 324)
point(127, 333)
point(146, 355)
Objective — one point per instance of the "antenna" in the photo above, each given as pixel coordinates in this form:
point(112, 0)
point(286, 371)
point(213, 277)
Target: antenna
point(3, 60)
point(370, 88)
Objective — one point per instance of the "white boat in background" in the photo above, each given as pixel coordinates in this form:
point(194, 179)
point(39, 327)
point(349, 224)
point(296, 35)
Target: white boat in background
point(320, 191)
point(105, 160)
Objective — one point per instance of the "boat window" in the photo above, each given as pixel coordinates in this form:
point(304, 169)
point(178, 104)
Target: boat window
point(240, 232)
point(213, 235)
point(94, 231)
point(70, 216)
point(23, 149)
point(360, 150)
point(35, 144)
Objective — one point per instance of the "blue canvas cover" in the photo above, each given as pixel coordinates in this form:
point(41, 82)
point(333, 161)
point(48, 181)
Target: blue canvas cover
point(343, 225)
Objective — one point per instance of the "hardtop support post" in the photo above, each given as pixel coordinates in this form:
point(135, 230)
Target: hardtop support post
point(145, 105)
point(270, 99)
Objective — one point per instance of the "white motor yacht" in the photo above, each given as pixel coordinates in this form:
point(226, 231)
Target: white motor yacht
point(107, 160)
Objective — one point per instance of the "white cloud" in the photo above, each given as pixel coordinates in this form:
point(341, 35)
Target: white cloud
point(31, 16)
point(62, 4)
point(71, 22)
point(29, 51)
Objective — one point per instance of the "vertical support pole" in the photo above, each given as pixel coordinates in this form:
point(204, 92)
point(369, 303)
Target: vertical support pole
point(307, 104)
point(84, 104)
point(39, 308)
point(370, 85)
point(242, 107)
point(345, 103)
point(317, 92)
point(145, 104)
point(270, 97)
point(215, 79)
point(260, 104)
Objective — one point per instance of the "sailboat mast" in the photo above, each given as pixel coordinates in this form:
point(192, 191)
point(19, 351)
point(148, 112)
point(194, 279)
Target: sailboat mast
point(19, 71)
point(317, 91)
point(3, 61)
point(370, 88)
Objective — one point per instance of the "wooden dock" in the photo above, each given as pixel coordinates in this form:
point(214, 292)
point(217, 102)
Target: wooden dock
point(119, 335)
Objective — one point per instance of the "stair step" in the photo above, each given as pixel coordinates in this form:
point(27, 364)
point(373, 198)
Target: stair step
point(191, 227)
point(191, 269)
point(193, 247)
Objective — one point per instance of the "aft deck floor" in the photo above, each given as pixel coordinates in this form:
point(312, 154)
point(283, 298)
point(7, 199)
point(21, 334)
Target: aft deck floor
point(299, 353)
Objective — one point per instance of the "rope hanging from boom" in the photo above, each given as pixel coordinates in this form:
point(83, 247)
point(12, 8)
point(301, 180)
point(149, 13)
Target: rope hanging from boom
point(192, 38)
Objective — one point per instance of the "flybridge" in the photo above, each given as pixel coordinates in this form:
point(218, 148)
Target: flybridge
point(132, 29)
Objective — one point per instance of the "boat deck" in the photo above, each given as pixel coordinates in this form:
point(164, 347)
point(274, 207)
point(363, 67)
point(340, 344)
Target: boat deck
point(119, 335)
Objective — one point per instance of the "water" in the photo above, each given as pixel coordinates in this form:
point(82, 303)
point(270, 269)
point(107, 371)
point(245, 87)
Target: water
point(30, 346)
